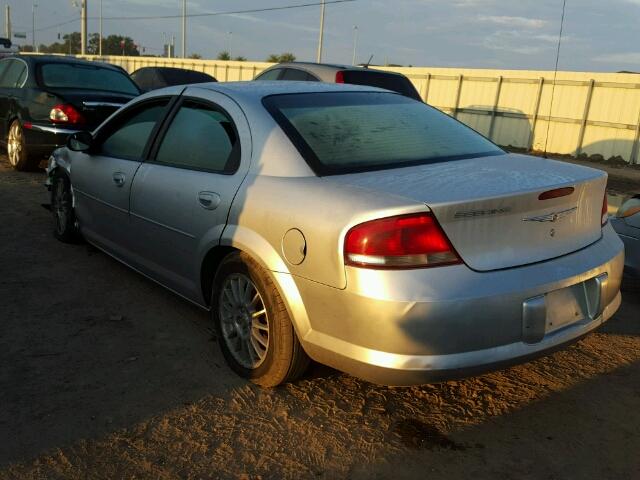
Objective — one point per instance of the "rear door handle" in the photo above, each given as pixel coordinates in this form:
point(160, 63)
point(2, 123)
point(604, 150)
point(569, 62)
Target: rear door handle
point(209, 200)
point(119, 178)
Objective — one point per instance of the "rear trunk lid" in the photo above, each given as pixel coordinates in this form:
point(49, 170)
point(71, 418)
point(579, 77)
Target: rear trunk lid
point(490, 208)
point(94, 105)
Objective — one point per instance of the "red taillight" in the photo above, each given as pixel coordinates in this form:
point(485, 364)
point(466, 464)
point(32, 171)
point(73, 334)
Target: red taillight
point(65, 113)
point(605, 210)
point(406, 241)
point(339, 76)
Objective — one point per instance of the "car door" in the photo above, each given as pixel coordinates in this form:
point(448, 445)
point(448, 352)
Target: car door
point(181, 196)
point(13, 73)
point(102, 177)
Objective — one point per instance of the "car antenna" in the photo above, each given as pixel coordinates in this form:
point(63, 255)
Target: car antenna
point(555, 75)
point(366, 65)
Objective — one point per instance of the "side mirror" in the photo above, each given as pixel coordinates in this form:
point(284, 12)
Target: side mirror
point(80, 141)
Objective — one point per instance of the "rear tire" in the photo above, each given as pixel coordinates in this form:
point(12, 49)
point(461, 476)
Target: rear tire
point(64, 219)
point(254, 330)
point(17, 150)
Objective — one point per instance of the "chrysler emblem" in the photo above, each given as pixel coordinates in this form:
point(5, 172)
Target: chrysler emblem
point(551, 217)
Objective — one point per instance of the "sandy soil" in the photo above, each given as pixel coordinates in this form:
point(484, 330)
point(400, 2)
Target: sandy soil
point(104, 374)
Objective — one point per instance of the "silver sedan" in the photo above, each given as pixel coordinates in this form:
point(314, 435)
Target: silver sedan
point(346, 224)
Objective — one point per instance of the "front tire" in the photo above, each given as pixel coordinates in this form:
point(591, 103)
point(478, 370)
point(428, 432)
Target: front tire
point(254, 329)
point(64, 219)
point(17, 151)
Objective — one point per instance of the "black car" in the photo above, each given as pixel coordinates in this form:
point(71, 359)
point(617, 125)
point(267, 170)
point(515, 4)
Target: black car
point(43, 99)
point(152, 78)
point(325, 72)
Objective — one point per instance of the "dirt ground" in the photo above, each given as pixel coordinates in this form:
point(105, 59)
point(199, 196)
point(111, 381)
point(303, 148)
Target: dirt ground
point(104, 374)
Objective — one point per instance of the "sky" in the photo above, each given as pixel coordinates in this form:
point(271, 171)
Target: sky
point(599, 35)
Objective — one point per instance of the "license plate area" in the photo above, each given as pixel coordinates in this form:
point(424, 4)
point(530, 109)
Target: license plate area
point(557, 309)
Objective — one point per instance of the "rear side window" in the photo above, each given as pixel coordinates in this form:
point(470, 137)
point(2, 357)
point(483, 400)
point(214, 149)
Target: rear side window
point(347, 132)
point(14, 75)
point(270, 75)
point(388, 81)
point(200, 137)
point(129, 139)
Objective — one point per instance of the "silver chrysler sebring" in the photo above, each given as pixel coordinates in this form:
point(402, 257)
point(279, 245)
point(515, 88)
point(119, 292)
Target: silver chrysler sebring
point(345, 224)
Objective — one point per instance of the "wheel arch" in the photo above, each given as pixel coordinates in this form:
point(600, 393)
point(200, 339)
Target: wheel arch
point(236, 238)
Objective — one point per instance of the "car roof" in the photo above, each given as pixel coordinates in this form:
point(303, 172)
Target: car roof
point(63, 59)
point(258, 90)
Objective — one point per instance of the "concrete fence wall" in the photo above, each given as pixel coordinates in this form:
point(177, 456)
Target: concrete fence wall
point(591, 113)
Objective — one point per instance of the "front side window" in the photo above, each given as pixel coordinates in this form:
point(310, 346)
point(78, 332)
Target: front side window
point(358, 131)
point(200, 137)
point(86, 77)
point(128, 140)
point(296, 75)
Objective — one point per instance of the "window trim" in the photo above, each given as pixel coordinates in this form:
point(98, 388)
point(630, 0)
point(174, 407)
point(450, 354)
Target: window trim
point(160, 136)
point(322, 170)
point(104, 133)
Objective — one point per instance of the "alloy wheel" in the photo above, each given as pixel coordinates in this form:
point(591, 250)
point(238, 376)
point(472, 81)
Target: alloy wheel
point(15, 144)
point(244, 320)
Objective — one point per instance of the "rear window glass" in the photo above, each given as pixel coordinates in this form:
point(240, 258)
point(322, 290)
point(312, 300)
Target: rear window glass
point(348, 132)
point(388, 81)
point(183, 77)
point(86, 77)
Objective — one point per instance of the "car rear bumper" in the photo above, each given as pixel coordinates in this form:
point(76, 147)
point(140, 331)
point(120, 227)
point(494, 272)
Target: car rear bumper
point(425, 325)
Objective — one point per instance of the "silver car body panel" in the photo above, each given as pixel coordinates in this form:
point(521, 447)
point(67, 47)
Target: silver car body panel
point(391, 326)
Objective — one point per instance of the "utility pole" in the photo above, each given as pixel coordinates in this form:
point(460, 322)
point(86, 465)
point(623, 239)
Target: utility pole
point(83, 28)
point(33, 27)
point(100, 40)
point(184, 28)
point(321, 32)
point(172, 49)
point(355, 43)
point(7, 22)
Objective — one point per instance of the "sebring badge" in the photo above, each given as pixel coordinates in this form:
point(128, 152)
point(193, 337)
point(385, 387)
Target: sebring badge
point(551, 217)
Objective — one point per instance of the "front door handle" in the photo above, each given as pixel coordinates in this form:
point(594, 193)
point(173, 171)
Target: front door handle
point(209, 200)
point(119, 178)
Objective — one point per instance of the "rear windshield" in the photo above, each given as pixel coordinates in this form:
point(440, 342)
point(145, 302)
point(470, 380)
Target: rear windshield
point(183, 77)
point(388, 81)
point(86, 77)
point(347, 132)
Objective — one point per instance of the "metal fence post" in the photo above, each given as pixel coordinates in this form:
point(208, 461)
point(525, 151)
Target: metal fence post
point(633, 160)
point(536, 111)
point(585, 116)
point(427, 81)
point(226, 72)
point(495, 107)
point(457, 104)
point(253, 72)
point(240, 73)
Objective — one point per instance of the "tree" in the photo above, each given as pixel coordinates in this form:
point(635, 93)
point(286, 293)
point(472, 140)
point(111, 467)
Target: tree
point(111, 45)
point(240, 58)
point(69, 45)
point(224, 55)
point(195, 56)
point(287, 57)
point(282, 58)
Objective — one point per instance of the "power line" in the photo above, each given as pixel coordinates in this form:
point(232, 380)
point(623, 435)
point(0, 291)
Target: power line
point(236, 12)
